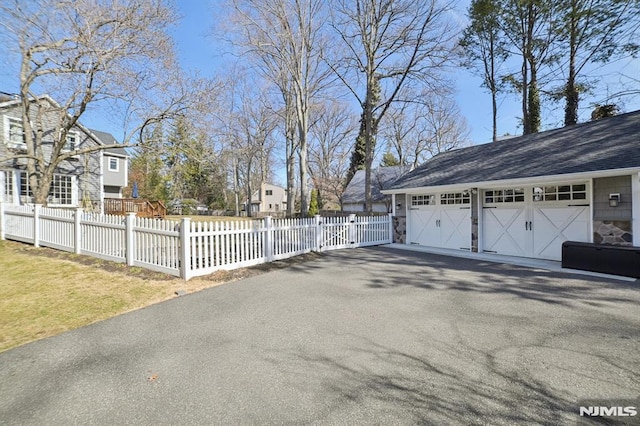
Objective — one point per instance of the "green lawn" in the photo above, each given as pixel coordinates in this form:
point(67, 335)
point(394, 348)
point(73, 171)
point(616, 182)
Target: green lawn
point(44, 292)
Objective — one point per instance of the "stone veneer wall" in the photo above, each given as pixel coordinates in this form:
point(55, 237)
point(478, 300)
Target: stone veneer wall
point(399, 229)
point(616, 232)
point(474, 220)
point(612, 225)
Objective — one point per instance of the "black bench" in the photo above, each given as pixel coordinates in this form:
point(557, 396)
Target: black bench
point(607, 259)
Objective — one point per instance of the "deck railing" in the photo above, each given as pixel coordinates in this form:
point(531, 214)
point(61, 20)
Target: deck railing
point(139, 206)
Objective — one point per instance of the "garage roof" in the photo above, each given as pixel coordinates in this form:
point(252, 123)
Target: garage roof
point(607, 144)
point(381, 178)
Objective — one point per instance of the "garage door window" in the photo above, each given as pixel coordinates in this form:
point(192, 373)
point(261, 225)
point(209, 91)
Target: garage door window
point(455, 198)
point(507, 195)
point(423, 200)
point(560, 192)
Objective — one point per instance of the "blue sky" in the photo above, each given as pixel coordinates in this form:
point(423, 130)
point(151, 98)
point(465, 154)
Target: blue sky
point(201, 52)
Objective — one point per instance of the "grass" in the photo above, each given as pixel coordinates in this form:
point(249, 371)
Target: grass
point(44, 292)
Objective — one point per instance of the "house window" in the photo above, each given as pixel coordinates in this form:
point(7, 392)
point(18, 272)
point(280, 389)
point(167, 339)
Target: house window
point(268, 192)
point(455, 198)
point(13, 131)
point(560, 192)
point(508, 195)
point(61, 190)
point(113, 164)
point(71, 143)
point(26, 196)
point(423, 200)
point(8, 186)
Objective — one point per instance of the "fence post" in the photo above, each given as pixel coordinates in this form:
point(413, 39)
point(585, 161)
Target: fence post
point(352, 229)
point(319, 233)
point(130, 221)
point(268, 239)
point(36, 224)
point(77, 243)
point(185, 248)
point(2, 219)
point(391, 228)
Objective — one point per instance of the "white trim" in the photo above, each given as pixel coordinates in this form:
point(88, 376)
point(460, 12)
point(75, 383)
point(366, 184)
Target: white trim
point(125, 161)
point(117, 168)
point(393, 204)
point(6, 133)
point(101, 179)
point(563, 178)
point(635, 208)
point(75, 134)
point(480, 212)
point(591, 209)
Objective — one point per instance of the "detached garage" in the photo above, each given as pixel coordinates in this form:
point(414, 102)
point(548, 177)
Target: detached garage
point(525, 196)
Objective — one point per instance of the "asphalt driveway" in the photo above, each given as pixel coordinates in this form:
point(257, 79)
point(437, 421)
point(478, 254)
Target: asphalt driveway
point(364, 336)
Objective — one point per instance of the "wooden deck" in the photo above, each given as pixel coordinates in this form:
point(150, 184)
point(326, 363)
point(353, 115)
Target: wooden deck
point(139, 206)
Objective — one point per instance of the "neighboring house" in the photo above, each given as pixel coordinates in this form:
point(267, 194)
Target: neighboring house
point(78, 181)
point(353, 199)
point(270, 199)
point(527, 195)
point(115, 166)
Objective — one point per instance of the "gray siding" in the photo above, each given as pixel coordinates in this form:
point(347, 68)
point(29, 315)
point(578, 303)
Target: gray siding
point(602, 187)
point(86, 168)
point(612, 225)
point(115, 178)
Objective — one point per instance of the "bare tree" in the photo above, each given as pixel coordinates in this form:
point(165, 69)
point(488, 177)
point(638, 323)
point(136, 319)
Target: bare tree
point(419, 130)
point(81, 53)
point(331, 137)
point(389, 43)
point(247, 123)
point(285, 38)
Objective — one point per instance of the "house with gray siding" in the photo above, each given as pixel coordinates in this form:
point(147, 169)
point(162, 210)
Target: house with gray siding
point(115, 163)
point(353, 199)
point(78, 181)
point(525, 196)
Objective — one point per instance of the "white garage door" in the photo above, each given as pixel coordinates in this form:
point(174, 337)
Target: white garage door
point(442, 221)
point(535, 221)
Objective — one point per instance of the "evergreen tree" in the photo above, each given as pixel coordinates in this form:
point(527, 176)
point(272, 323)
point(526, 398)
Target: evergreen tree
point(388, 160)
point(313, 204)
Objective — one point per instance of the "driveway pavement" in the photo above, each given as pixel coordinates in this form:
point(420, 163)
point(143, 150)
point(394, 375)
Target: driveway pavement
point(363, 336)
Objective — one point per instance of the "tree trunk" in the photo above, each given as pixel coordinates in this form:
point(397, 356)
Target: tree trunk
point(291, 179)
point(303, 129)
point(571, 92)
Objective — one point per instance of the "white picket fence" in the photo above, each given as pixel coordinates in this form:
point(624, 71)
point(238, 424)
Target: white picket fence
point(184, 248)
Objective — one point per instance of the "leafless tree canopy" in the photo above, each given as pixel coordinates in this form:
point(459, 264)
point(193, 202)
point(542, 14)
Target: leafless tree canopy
point(83, 52)
point(390, 44)
point(285, 39)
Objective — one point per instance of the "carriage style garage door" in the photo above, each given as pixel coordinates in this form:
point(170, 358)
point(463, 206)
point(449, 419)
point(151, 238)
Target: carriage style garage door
point(440, 220)
point(534, 221)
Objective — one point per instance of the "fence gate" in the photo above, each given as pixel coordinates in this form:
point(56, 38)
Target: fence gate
point(336, 232)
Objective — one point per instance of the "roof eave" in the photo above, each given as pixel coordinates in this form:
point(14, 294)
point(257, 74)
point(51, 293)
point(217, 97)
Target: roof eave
point(519, 182)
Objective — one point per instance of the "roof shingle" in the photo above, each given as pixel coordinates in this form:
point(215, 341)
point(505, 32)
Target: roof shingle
point(606, 144)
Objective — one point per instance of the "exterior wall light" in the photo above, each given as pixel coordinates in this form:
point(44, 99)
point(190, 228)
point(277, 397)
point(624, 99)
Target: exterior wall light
point(614, 200)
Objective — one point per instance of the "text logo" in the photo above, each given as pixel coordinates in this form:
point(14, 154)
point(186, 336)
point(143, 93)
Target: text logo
point(602, 411)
